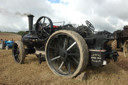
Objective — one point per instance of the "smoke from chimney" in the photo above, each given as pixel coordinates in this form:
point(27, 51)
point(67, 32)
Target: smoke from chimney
point(22, 14)
point(7, 12)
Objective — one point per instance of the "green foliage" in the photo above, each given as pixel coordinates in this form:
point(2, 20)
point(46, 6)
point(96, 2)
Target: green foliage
point(21, 32)
point(8, 32)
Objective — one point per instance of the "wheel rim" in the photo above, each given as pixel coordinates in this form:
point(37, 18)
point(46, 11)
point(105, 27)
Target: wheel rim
point(126, 49)
point(63, 54)
point(16, 53)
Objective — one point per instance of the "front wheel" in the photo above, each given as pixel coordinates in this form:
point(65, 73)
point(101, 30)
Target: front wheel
point(18, 52)
point(125, 48)
point(66, 53)
point(114, 45)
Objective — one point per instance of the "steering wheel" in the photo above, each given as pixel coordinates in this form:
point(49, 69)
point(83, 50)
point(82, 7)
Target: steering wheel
point(90, 26)
point(44, 28)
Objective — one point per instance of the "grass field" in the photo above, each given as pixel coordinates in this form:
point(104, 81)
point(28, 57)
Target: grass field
point(9, 36)
point(33, 73)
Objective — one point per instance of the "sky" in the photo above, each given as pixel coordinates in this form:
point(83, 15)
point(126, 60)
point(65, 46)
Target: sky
point(107, 15)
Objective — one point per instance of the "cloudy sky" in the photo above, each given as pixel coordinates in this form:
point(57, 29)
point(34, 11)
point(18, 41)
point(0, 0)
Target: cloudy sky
point(103, 14)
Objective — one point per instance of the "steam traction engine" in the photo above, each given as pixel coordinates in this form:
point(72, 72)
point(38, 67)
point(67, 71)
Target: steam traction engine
point(68, 50)
point(120, 41)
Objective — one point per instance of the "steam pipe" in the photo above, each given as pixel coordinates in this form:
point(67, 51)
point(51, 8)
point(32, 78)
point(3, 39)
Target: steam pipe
point(30, 21)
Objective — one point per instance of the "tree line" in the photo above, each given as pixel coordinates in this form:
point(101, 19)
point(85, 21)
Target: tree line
point(19, 32)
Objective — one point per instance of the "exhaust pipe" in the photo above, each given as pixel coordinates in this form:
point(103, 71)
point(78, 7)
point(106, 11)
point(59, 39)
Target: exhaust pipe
point(30, 22)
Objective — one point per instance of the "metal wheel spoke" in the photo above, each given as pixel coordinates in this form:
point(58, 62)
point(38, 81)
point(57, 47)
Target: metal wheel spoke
point(64, 44)
point(76, 61)
point(61, 65)
point(73, 54)
point(71, 46)
point(69, 67)
point(48, 25)
point(55, 58)
point(45, 31)
point(44, 20)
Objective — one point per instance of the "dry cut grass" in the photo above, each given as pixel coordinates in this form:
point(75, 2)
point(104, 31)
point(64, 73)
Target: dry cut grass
point(33, 73)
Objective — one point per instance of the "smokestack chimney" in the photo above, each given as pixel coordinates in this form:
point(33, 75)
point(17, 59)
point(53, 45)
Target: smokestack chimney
point(30, 21)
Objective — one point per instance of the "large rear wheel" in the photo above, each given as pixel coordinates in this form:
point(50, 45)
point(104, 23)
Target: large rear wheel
point(66, 53)
point(125, 48)
point(18, 52)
